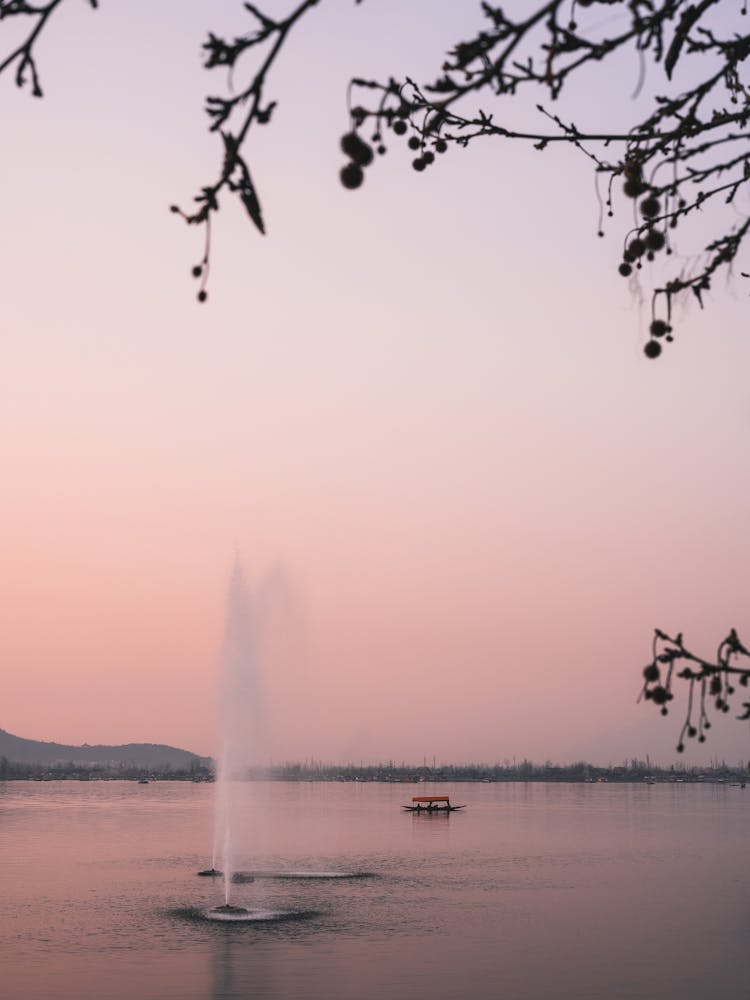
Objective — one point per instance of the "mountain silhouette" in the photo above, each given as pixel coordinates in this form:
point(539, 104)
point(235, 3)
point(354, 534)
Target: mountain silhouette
point(153, 755)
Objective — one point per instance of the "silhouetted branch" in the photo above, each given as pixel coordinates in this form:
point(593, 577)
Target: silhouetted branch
point(689, 152)
point(672, 163)
point(24, 53)
point(708, 681)
point(245, 109)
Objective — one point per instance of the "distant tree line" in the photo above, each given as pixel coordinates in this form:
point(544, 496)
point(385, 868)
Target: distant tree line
point(633, 770)
point(11, 770)
point(525, 770)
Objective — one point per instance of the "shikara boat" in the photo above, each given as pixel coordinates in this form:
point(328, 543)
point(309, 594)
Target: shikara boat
point(431, 804)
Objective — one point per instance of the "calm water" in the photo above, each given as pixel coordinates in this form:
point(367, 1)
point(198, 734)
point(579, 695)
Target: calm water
point(535, 891)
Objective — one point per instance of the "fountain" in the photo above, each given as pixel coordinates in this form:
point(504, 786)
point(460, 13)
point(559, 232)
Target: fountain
point(240, 726)
point(242, 744)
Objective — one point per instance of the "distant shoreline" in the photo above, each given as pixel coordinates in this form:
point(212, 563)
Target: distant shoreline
point(581, 773)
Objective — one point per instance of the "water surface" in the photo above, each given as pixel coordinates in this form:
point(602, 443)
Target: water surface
point(534, 891)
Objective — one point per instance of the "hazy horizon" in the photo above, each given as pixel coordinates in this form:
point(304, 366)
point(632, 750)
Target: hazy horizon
point(662, 754)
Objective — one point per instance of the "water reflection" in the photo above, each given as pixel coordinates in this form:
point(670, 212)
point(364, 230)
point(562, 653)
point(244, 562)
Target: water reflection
point(240, 967)
point(434, 828)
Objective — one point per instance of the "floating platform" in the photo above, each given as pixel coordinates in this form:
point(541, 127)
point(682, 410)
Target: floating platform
point(239, 914)
point(302, 875)
point(241, 877)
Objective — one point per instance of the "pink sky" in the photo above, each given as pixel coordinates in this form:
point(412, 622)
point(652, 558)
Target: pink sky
point(425, 401)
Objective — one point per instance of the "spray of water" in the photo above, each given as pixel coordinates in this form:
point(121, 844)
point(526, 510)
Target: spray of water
point(239, 719)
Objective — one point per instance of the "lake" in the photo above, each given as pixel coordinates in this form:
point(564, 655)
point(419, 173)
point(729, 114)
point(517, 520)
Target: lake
point(533, 891)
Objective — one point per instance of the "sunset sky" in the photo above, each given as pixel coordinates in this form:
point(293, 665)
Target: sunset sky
point(422, 407)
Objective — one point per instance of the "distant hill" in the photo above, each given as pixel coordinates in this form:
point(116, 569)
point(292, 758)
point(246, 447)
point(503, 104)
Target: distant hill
point(148, 755)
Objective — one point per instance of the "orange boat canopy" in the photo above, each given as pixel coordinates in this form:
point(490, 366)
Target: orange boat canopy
point(430, 798)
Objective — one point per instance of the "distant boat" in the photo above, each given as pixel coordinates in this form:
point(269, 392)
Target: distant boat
point(431, 804)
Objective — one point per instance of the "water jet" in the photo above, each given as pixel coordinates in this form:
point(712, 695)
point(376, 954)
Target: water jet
point(239, 725)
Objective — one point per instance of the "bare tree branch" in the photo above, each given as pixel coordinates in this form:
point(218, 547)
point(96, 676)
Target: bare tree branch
point(672, 163)
point(689, 153)
point(709, 681)
point(235, 174)
point(23, 55)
